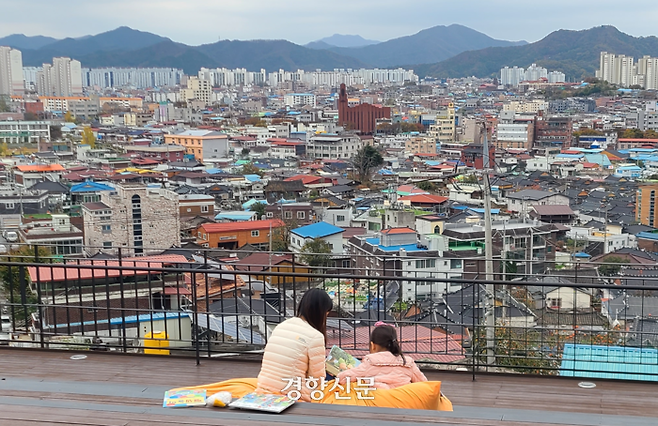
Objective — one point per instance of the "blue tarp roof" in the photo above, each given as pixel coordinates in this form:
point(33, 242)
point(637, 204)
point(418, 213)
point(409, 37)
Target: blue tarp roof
point(572, 156)
point(236, 216)
point(609, 362)
point(407, 247)
point(252, 178)
point(600, 159)
point(479, 210)
point(214, 171)
point(317, 230)
point(647, 235)
point(90, 187)
point(582, 255)
point(132, 319)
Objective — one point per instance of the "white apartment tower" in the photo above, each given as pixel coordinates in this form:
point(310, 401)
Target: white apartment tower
point(11, 71)
point(62, 78)
point(534, 73)
point(511, 76)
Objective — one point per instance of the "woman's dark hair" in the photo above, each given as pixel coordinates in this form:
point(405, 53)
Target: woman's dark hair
point(314, 307)
point(386, 337)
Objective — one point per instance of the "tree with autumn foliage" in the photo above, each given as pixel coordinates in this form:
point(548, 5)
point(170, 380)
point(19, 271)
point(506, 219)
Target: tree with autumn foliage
point(88, 137)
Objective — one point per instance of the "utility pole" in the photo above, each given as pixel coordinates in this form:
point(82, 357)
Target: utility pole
point(490, 321)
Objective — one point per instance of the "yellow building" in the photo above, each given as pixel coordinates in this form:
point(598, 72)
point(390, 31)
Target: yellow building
point(203, 144)
point(200, 90)
point(420, 145)
point(645, 206)
point(444, 129)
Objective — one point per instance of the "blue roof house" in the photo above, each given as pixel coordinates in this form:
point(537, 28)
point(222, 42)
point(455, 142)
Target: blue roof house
point(321, 230)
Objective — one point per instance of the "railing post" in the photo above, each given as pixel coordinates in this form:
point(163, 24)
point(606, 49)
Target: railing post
point(196, 316)
point(39, 302)
point(124, 338)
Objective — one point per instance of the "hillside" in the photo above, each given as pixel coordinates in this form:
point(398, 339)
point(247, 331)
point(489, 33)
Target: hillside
point(576, 53)
point(21, 41)
point(126, 47)
point(429, 45)
point(274, 55)
point(340, 40)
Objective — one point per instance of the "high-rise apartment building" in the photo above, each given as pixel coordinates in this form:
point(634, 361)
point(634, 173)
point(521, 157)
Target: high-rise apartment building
point(556, 77)
point(511, 76)
point(139, 78)
point(623, 71)
point(11, 71)
point(62, 78)
point(197, 89)
point(534, 73)
point(645, 202)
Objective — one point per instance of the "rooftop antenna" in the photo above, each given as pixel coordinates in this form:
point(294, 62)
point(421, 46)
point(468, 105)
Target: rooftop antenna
point(489, 318)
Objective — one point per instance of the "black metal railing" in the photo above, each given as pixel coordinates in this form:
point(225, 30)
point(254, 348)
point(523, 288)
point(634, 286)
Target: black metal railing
point(578, 319)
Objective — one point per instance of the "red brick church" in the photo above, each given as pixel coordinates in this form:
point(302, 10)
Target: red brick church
point(361, 117)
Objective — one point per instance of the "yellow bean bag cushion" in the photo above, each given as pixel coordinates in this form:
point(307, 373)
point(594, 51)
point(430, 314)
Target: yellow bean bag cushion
point(415, 396)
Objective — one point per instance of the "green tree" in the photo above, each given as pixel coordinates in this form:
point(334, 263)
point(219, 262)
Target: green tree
point(68, 117)
point(15, 279)
point(88, 137)
point(245, 152)
point(259, 208)
point(650, 134)
point(4, 107)
point(316, 253)
point(632, 134)
point(426, 186)
point(365, 160)
point(251, 169)
point(612, 265)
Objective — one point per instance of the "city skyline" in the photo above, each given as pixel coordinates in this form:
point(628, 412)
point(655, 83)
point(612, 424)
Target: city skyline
point(298, 22)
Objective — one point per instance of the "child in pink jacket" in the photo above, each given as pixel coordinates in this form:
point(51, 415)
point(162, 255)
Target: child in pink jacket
point(385, 363)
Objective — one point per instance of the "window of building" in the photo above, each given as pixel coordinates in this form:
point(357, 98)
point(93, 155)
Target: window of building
point(287, 215)
point(269, 214)
point(340, 218)
point(301, 215)
point(107, 244)
point(255, 233)
point(204, 209)
point(9, 205)
point(555, 303)
point(106, 229)
point(455, 263)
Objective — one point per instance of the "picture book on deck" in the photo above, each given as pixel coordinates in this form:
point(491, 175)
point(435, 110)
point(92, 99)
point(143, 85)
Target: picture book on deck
point(339, 360)
point(263, 402)
point(184, 398)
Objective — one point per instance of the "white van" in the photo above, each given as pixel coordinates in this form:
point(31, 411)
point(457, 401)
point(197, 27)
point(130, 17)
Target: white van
point(11, 236)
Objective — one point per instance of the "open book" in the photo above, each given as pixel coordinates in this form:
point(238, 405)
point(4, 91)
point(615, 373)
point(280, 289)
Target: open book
point(184, 398)
point(338, 360)
point(263, 402)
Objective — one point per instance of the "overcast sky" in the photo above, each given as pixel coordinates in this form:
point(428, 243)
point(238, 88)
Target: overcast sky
point(303, 21)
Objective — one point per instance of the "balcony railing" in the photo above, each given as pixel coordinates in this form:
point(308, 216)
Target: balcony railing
point(565, 322)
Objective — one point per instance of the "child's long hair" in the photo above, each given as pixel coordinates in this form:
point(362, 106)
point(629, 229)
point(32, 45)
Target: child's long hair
point(386, 337)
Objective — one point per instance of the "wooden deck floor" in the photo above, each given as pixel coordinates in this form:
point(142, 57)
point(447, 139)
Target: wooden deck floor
point(48, 388)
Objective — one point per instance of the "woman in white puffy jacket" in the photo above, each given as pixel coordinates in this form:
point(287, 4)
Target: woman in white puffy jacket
point(296, 349)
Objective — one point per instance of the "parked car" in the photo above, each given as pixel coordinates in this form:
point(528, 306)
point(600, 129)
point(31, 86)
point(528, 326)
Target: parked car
point(10, 236)
point(6, 323)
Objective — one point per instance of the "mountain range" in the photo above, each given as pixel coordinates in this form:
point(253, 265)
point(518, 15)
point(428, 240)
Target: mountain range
point(340, 40)
point(440, 51)
point(576, 53)
point(128, 47)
